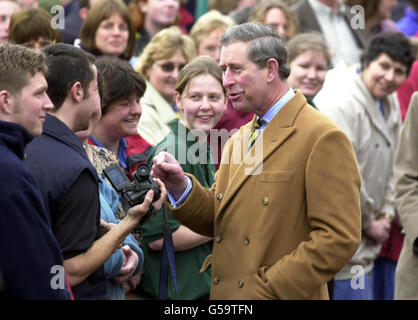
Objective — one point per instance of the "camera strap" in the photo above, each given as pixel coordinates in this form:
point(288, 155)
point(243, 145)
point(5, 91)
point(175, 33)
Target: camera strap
point(168, 259)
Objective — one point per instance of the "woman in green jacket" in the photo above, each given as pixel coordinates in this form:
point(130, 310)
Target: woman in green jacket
point(201, 101)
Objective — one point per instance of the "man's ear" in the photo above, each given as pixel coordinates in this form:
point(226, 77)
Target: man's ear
point(83, 13)
point(77, 92)
point(178, 101)
point(143, 6)
point(6, 105)
point(272, 67)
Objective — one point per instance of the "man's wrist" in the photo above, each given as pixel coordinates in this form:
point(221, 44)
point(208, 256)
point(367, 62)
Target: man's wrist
point(130, 222)
point(177, 201)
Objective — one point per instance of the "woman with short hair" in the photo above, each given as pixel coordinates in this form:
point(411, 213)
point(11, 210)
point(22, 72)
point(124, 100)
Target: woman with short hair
point(108, 30)
point(32, 28)
point(277, 14)
point(309, 60)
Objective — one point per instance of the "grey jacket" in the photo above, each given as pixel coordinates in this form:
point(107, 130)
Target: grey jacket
point(353, 109)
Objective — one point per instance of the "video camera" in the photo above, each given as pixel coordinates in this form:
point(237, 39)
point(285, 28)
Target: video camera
point(134, 192)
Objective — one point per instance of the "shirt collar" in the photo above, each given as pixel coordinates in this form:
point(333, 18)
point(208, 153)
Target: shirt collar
point(123, 145)
point(269, 115)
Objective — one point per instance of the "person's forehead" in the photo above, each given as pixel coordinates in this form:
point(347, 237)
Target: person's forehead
point(34, 82)
point(93, 2)
point(160, 2)
point(384, 57)
point(234, 51)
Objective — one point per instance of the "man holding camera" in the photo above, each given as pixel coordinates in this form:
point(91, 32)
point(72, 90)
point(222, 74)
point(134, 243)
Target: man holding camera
point(68, 180)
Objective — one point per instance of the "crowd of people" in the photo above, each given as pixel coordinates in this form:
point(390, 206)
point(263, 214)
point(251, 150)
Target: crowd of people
point(270, 147)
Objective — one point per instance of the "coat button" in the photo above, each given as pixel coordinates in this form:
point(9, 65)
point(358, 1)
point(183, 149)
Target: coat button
point(266, 201)
point(240, 284)
point(216, 281)
point(219, 239)
point(246, 241)
point(219, 196)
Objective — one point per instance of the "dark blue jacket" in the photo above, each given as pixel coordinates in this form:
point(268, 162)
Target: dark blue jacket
point(57, 161)
point(28, 248)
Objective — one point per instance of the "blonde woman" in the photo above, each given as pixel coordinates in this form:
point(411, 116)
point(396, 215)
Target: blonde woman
point(160, 63)
point(309, 60)
point(207, 33)
point(201, 99)
point(277, 14)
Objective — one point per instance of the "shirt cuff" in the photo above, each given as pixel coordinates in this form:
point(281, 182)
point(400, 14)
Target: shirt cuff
point(183, 197)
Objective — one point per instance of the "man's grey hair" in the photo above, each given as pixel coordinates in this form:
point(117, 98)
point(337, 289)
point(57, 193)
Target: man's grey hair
point(264, 42)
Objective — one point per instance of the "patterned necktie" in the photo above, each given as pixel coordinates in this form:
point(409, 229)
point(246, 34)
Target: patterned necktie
point(256, 131)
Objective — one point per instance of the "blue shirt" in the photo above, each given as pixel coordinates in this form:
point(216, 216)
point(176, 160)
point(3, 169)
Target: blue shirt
point(267, 117)
point(271, 113)
point(409, 23)
point(123, 145)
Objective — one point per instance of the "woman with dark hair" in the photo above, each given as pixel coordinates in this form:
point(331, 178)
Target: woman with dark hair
point(121, 90)
point(363, 102)
point(32, 28)
point(108, 30)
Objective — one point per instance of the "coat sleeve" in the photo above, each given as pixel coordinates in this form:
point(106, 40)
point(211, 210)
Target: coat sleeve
point(350, 122)
point(197, 211)
point(332, 183)
point(389, 199)
point(406, 173)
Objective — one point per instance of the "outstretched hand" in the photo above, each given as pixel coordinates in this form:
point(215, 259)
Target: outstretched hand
point(168, 170)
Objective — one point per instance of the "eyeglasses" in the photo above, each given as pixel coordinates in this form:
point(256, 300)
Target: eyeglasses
point(170, 66)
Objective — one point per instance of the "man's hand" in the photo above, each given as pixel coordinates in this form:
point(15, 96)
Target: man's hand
point(169, 171)
point(129, 266)
point(379, 230)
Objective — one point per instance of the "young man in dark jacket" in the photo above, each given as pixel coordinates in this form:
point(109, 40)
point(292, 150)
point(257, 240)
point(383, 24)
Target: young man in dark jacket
point(31, 262)
point(66, 177)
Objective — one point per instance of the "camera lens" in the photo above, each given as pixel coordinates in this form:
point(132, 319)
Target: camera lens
point(142, 172)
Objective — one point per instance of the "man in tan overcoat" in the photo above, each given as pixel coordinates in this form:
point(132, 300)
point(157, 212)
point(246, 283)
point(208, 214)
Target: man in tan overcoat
point(285, 212)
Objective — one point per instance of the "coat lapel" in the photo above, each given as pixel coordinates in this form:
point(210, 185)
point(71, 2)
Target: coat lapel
point(310, 20)
point(372, 110)
point(277, 131)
